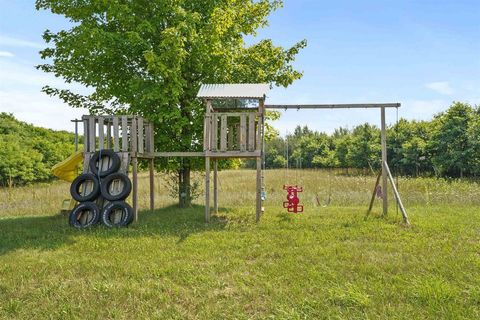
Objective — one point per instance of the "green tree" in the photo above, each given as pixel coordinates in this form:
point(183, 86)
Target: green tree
point(365, 149)
point(450, 145)
point(149, 57)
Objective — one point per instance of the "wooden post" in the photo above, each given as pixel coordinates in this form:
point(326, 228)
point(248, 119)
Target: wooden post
point(384, 161)
point(207, 189)
point(152, 184)
point(101, 134)
point(259, 189)
point(373, 194)
point(397, 195)
point(135, 187)
point(215, 186)
point(91, 133)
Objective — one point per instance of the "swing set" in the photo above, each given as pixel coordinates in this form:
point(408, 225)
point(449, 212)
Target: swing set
point(238, 131)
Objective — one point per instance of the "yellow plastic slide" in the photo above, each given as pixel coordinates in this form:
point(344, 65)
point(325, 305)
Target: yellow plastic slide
point(68, 169)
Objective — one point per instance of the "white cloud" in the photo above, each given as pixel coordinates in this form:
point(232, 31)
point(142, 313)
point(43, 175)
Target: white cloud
point(6, 54)
point(16, 42)
point(442, 87)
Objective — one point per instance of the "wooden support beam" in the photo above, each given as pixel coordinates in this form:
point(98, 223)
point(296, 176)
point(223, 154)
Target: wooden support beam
point(134, 136)
point(215, 186)
point(85, 135)
point(384, 161)
point(207, 189)
point(397, 195)
point(152, 184)
point(374, 193)
point(214, 133)
point(334, 106)
point(135, 187)
point(109, 135)
point(259, 189)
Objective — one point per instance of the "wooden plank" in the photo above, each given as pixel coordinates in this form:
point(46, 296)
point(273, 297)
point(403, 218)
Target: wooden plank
point(334, 106)
point(116, 135)
point(101, 134)
point(91, 134)
point(230, 138)
point(397, 195)
point(178, 154)
point(234, 154)
point(206, 133)
point(215, 186)
point(237, 136)
point(223, 133)
point(214, 135)
point(124, 134)
point(384, 161)
point(134, 136)
point(109, 135)
point(140, 135)
point(207, 189)
point(85, 136)
point(243, 132)
point(147, 138)
point(151, 145)
point(374, 193)
point(251, 132)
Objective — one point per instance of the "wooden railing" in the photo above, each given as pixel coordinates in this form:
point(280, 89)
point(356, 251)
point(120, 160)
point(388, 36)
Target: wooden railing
point(121, 133)
point(225, 132)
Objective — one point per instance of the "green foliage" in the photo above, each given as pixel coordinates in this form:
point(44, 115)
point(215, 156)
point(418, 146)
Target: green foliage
point(447, 146)
point(27, 153)
point(149, 57)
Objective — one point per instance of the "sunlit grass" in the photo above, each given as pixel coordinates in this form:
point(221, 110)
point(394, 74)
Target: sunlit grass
point(326, 263)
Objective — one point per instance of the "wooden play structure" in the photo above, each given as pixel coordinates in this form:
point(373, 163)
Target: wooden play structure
point(131, 137)
point(230, 131)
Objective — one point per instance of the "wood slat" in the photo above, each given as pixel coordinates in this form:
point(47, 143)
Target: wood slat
point(124, 134)
point(140, 134)
point(85, 136)
point(101, 134)
point(91, 134)
point(151, 145)
point(116, 135)
point(109, 135)
point(251, 132)
point(243, 132)
point(230, 138)
point(223, 133)
point(133, 136)
point(214, 135)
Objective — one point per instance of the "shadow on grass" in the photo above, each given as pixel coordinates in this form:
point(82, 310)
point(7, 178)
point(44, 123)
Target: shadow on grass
point(50, 232)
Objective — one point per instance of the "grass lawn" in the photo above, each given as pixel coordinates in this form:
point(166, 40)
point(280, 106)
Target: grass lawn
point(326, 263)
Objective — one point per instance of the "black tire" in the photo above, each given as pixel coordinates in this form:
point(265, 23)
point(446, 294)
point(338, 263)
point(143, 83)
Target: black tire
point(114, 162)
point(81, 179)
point(126, 216)
point(107, 182)
point(77, 218)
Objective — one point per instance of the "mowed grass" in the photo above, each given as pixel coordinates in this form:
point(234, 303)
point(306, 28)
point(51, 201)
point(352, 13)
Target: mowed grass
point(328, 263)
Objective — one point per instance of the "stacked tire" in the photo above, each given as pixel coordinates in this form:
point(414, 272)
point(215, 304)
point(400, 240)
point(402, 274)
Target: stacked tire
point(101, 203)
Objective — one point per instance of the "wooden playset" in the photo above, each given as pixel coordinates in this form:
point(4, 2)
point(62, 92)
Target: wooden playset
point(229, 132)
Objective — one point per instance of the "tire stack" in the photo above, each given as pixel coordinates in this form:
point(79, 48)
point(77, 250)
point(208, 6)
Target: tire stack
point(105, 200)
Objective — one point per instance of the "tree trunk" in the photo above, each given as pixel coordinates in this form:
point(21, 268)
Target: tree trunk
point(184, 187)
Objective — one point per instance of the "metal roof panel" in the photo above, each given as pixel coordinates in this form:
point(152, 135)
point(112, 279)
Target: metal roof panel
point(237, 90)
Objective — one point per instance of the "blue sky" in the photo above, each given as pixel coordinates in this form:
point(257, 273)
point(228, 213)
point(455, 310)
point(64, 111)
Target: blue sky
point(424, 54)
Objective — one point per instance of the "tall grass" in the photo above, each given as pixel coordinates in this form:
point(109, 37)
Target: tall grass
point(237, 188)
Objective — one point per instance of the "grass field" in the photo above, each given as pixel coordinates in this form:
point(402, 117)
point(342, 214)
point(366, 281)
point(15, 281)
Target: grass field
point(328, 263)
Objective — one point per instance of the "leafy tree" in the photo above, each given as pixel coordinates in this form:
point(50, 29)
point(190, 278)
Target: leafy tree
point(149, 57)
point(450, 144)
point(365, 148)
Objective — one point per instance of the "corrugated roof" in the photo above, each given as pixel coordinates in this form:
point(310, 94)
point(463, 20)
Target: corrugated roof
point(238, 91)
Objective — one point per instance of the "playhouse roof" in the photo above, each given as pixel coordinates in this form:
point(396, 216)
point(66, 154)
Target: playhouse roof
point(234, 91)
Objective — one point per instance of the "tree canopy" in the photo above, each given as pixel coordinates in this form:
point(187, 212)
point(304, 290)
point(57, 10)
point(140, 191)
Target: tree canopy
point(149, 57)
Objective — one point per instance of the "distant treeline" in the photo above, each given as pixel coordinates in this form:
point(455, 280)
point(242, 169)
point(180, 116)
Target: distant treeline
point(447, 146)
point(27, 153)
